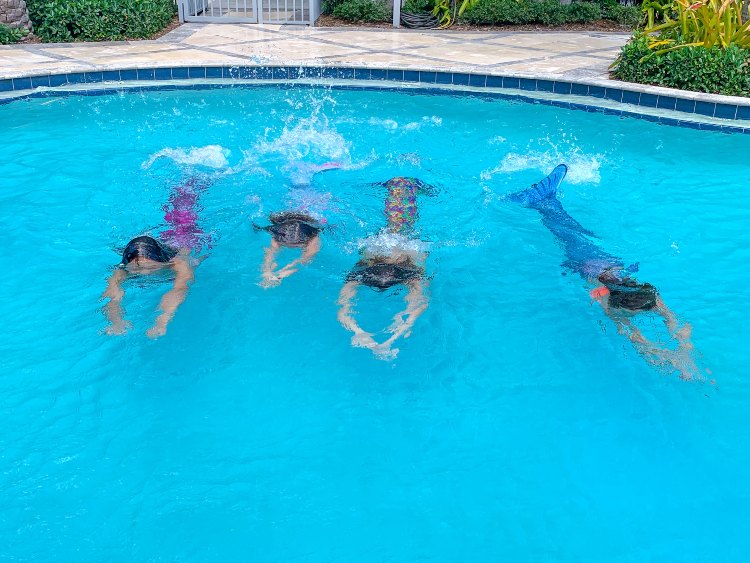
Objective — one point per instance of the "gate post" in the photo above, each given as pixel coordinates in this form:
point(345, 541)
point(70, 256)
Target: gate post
point(181, 10)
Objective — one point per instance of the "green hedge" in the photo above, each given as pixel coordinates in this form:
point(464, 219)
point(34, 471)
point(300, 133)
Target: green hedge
point(716, 71)
point(98, 20)
point(548, 12)
point(9, 35)
point(361, 10)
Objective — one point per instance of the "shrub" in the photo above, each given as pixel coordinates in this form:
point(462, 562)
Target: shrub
point(10, 35)
point(363, 11)
point(701, 69)
point(549, 12)
point(417, 6)
point(97, 20)
point(630, 16)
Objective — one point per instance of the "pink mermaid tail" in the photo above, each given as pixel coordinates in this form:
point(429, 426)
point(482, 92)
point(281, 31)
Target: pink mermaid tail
point(181, 215)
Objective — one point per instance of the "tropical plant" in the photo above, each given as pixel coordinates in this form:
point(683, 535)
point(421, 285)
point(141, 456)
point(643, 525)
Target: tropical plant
point(448, 11)
point(690, 23)
point(716, 70)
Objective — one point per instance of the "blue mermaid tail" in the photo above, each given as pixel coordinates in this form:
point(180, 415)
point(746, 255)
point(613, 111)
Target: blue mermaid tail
point(542, 190)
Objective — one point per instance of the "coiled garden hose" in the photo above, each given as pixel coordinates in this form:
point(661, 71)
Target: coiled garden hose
point(419, 21)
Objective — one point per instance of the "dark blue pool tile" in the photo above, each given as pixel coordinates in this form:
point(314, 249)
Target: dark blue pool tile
point(57, 80)
point(178, 73)
point(575, 105)
point(145, 73)
point(460, 79)
point(214, 72)
point(743, 112)
point(545, 85)
point(649, 100)
point(479, 80)
point(579, 89)
point(562, 88)
point(93, 77)
point(444, 78)
point(21, 83)
point(498, 82)
point(328, 72)
point(725, 111)
point(666, 102)
point(378, 74)
point(258, 73)
point(509, 82)
point(705, 108)
point(196, 72)
point(76, 78)
point(362, 73)
point(709, 127)
point(427, 77)
point(411, 76)
point(687, 106)
point(111, 75)
point(597, 91)
point(395, 74)
point(346, 73)
point(614, 94)
point(280, 73)
point(6, 85)
point(629, 97)
point(527, 84)
point(37, 81)
point(163, 73)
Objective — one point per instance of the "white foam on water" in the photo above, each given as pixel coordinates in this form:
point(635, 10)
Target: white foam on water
point(582, 168)
point(210, 156)
point(310, 139)
point(385, 243)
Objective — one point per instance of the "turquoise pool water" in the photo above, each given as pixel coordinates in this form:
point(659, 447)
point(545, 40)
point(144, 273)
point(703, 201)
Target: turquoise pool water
point(515, 424)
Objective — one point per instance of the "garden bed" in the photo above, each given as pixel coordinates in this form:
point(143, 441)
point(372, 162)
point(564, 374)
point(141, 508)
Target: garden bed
point(599, 25)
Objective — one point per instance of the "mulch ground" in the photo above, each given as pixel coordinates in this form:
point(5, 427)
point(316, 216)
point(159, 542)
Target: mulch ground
point(602, 25)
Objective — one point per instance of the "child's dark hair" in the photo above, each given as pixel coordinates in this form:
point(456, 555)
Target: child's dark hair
point(147, 247)
point(290, 228)
point(380, 275)
point(626, 293)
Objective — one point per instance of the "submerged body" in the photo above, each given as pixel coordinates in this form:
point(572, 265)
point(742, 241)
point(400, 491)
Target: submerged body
point(145, 255)
point(619, 295)
point(295, 228)
point(394, 261)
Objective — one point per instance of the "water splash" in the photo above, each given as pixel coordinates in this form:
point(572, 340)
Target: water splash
point(582, 168)
point(210, 156)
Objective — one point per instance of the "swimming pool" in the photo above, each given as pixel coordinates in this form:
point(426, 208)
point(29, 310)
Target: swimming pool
point(515, 423)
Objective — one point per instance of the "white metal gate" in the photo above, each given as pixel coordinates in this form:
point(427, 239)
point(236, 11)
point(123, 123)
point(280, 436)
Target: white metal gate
point(303, 12)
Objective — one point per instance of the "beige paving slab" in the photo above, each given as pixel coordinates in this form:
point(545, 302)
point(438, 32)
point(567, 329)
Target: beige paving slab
point(278, 52)
point(486, 55)
point(387, 60)
point(395, 40)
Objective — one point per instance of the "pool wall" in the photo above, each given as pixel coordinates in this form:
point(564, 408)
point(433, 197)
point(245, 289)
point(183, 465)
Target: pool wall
point(685, 110)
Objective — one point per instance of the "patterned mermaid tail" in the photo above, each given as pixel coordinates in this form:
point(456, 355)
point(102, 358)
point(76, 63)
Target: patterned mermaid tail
point(181, 214)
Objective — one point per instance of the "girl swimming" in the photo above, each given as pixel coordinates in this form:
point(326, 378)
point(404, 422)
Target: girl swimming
point(298, 227)
point(391, 258)
point(620, 295)
point(144, 255)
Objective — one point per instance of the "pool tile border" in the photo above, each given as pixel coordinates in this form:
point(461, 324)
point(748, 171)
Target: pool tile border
point(692, 104)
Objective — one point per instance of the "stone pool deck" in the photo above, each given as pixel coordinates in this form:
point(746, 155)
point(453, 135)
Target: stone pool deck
point(567, 55)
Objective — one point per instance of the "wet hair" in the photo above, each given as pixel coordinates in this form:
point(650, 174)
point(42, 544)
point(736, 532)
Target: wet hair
point(290, 228)
point(382, 275)
point(626, 293)
point(147, 247)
